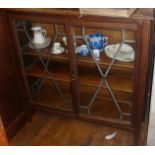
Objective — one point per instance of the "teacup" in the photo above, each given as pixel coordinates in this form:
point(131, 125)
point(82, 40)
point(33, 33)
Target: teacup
point(57, 49)
point(39, 35)
point(97, 41)
point(57, 45)
point(96, 54)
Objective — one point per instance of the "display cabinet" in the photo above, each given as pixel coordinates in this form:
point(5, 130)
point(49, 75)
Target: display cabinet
point(107, 87)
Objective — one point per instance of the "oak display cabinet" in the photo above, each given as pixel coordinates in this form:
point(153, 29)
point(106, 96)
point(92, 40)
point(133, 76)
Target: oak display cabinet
point(104, 91)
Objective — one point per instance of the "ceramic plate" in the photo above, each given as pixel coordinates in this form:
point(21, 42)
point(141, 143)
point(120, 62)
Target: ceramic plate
point(39, 46)
point(125, 54)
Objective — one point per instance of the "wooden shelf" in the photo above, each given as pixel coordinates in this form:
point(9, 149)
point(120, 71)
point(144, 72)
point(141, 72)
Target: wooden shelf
point(48, 96)
point(105, 61)
point(122, 97)
point(116, 83)
point(59, 74)
point(120, 102)
point(45, 54)
point(104, 108)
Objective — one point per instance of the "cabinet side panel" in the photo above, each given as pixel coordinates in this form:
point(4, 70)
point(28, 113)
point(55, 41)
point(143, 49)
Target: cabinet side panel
point(11, 105)
point(3, 139)
point(141, 75)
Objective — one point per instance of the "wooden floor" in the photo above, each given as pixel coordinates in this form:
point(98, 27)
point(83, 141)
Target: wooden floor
point(48, 130)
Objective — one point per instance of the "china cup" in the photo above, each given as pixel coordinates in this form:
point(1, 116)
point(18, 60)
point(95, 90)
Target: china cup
point(57, 45)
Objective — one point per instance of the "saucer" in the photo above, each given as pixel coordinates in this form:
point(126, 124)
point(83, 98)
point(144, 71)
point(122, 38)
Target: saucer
point(39, 46)
point(58, 51)
point(125, 54)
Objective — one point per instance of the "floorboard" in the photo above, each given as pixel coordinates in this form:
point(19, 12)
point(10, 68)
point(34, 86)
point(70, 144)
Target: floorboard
point(48, 130)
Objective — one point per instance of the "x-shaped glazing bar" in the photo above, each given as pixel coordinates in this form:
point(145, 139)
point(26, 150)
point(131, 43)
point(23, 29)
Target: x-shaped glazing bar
point(45, 65)
point(104, 81)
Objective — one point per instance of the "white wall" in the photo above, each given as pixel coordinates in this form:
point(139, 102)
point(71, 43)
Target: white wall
point(151, 128)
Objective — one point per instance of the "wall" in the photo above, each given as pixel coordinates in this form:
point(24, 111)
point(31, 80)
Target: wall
point(151, 127)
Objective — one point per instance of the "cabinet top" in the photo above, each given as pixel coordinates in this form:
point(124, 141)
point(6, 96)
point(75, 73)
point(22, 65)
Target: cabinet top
point(146, 13)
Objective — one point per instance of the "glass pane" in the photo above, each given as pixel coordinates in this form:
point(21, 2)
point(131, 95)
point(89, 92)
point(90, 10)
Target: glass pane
point(44, 93)
point(106, 77)
point(46, 63)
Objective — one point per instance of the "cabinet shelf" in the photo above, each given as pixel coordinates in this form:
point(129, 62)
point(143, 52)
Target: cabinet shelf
point(107, 99)
point(123, 97)
point(45, 54)
point(105, 61)
point(109, 110)
point(59, 74)
point(48, 96)
point(116, 83)
point(117, 80)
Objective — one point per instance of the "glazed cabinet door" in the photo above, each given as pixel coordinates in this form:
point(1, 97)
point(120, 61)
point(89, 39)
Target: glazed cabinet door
point(44, 55)
point(105, 54)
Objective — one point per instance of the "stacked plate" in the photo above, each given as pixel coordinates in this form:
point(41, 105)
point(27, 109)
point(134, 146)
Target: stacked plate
point(126, 52)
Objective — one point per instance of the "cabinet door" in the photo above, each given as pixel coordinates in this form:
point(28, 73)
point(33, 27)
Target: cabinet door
point(42, 46)
point(105, 59)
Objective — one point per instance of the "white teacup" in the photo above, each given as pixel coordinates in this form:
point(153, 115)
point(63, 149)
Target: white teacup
point(96, 54)
point(57, 49)
point(39, 35)
point(57, 45)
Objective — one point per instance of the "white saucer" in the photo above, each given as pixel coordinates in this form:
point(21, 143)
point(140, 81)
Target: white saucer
point(39, 46)
point(125, 54)
point(58, 51)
